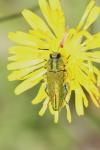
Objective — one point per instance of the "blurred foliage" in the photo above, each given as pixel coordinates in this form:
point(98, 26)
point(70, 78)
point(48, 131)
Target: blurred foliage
point(20, 126)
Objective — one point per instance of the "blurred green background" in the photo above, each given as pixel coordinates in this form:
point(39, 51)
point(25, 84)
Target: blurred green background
point(20, 126)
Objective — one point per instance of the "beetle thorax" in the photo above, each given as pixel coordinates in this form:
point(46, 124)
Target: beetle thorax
point(56, 62)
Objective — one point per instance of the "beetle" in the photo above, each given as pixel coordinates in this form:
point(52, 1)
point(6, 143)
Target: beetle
point(56, 89)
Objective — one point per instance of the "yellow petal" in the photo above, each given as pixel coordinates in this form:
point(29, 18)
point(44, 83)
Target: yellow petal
point(53, 13)
point(24, 53)
point(51, 109)
point(88, 70)
point(92, 17)
point(27, 39)
point(20, 74)
point(56, 116)
point(40, 96)
point(36, 22)
point(97, 73)
point(41, 35)
point(85, 81)
point(23, 64)
point(94, 42)
point(44, 107)
point(79, 101)
point(69, 118)
point(78, 37)
point(93, 98)
point(90, 88)
point(31, 82)
point(68, 96)
point(85, 100)
point(94, 56)
point(86, 14)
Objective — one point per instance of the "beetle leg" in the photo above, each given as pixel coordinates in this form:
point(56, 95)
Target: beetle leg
point(66, 87)
point(46, 65)
point(68, 95)
point(46, 89)
point(46, 86)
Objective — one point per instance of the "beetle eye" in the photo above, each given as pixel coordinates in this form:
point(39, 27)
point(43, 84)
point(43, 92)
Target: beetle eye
point(58, 55)
point(50, 55)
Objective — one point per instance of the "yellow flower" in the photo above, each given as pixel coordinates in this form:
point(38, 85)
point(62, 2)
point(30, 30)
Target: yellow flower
point(45, 44)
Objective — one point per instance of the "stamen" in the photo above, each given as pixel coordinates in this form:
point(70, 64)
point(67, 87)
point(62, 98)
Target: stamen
point(63, 40)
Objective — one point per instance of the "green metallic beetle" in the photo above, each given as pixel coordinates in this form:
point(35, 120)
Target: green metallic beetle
point(56, 89)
